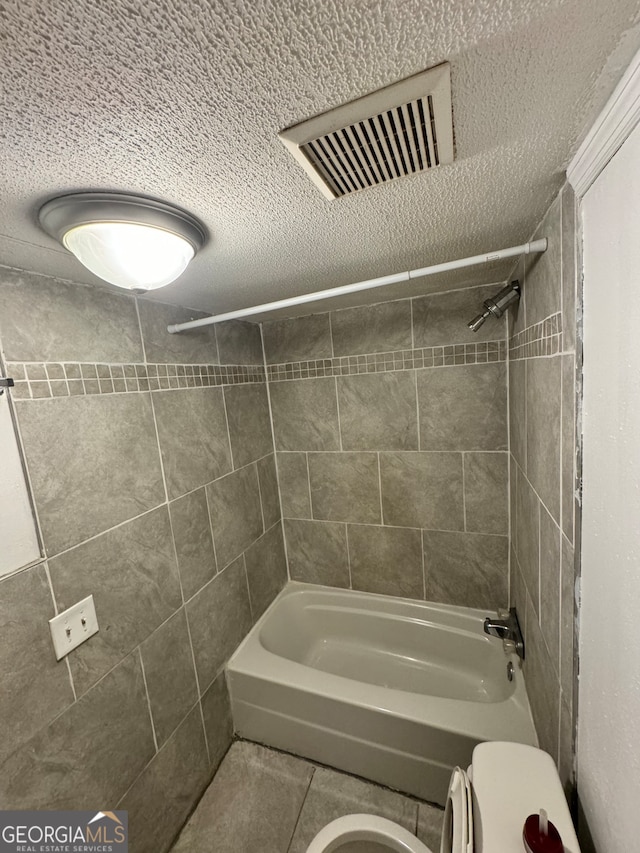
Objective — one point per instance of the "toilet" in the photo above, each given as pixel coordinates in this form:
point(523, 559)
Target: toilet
point(485, 813)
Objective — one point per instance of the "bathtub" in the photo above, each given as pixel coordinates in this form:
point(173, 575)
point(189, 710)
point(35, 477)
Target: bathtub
point(394, 690)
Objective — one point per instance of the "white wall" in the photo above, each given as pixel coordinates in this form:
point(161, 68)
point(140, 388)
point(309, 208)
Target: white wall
point(609, 692)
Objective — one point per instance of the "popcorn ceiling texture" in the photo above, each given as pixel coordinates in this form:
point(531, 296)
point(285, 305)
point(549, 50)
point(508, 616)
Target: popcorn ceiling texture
point(183, 100)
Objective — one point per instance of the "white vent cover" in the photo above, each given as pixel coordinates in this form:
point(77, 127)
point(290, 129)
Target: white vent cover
point(401, 130)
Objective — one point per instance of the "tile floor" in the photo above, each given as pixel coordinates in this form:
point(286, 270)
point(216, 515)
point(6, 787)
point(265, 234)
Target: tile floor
point(263, 801)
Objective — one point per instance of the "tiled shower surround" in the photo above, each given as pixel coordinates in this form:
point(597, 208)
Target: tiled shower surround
point(390, 426)
point(150, 459)
point(544, 545)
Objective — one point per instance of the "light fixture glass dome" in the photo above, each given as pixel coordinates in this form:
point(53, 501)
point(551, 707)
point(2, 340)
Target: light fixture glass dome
point(129, 241)
point(139, 257)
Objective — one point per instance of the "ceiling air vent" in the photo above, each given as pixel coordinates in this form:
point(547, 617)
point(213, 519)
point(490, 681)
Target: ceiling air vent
point(401, 130)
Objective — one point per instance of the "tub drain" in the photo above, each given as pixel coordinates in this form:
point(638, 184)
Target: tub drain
point(510, 671)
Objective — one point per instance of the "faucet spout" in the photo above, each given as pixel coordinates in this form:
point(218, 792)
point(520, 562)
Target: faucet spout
point(506, 629)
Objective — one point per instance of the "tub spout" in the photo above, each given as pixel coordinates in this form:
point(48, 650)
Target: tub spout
point(506, 628)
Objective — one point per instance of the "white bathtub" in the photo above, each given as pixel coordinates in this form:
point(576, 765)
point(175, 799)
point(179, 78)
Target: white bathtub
point(394, 690)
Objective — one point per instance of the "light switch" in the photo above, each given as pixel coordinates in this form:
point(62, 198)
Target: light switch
point(73, 626)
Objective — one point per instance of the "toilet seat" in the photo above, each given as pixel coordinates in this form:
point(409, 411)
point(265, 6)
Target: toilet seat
point(457, 832)
point(356, 829)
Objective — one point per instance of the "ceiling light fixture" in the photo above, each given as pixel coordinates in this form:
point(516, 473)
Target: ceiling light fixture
point(133, 242)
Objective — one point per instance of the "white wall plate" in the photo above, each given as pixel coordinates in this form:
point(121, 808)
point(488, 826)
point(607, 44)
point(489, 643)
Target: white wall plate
point(73, 626)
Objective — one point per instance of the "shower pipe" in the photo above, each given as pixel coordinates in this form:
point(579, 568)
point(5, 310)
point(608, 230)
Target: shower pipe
point(525, 249)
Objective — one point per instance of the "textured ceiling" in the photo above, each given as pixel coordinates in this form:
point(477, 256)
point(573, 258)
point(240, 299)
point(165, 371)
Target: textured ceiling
point(183, 100)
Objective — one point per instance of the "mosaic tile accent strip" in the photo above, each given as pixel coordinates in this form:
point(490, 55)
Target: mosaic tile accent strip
point(379, 362)
point(544, 338)
point(38, 380)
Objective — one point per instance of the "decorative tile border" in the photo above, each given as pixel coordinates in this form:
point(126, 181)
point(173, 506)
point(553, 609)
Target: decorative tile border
point(380, 362)
point(544, 338)
point(38, 380)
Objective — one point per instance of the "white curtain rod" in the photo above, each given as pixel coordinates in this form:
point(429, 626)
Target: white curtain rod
point(525, 249)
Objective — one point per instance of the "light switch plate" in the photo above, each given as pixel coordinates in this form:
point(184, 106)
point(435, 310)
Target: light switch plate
point(73, 626)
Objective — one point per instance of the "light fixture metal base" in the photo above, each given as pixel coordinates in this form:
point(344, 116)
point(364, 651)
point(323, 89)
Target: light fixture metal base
point(63, 213)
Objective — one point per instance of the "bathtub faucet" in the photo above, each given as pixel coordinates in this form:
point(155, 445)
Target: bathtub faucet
point(506, 628)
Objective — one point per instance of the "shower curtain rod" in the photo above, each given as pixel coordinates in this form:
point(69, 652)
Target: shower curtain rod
point(525, 249)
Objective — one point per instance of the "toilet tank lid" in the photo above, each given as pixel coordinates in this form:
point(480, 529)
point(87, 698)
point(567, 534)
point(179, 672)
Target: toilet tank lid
point(510, 782)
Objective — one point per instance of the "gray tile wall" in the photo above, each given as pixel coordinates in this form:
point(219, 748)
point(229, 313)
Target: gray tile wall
point(156, 492)
point(543, 366)
point(391, 431)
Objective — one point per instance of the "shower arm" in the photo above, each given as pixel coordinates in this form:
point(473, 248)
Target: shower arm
point(496, 305)
point(525, 249)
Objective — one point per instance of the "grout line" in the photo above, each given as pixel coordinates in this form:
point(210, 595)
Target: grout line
point(66, 381)
point(464, 495)
point(306, 794)
point(509, 501)
point(197, 677)
point(346, 533)
point(45, 565)
point(380, 488)
point(415, 383)
point(513, 524)
point(424, 570)
point(155, 420)
point(50, 584)
point(562, 492)
point(175, 554)
point(207, 583)
point(559, 750)
point(213, 538)
point(246, 580)
point(373, 450)
point(306, 455)
point(551, 515)
point(153, 631)
point(525, 392)
point(264, 528)
point(539, 614)
point(108, 530)
point(576, 390)
point(335, 379)
point(560, 233)
point(413, 337)
point(333, 352)
point(73, 686)
point(273, 443)
point(226, 420)
point(226, 474)
point(286, 547)
point(562, 447)
point(396, 527)
point(146, 690)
